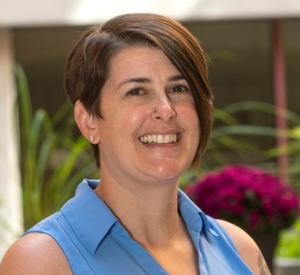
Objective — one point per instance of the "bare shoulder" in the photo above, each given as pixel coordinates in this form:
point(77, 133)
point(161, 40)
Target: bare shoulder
point(35, 253)
point(246, 247)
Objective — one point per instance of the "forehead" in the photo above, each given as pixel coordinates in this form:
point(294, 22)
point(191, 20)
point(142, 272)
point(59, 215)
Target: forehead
point(140, 60)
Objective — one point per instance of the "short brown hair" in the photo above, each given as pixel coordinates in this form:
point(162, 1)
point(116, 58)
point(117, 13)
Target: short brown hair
point(88, 65)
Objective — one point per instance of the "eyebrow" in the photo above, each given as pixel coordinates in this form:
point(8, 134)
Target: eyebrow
point(147, 80)
point(176, 77)
point(134, 79)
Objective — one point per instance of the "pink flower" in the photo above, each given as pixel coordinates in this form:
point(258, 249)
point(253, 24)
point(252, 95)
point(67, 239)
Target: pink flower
point(250, 197)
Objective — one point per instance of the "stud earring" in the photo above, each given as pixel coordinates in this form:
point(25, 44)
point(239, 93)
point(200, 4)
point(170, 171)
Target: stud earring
point(92, 138)
point(154, 111)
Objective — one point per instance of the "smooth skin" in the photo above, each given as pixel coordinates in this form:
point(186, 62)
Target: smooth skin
point(139, 181)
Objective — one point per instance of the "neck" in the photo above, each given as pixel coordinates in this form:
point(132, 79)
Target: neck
point(149, 212)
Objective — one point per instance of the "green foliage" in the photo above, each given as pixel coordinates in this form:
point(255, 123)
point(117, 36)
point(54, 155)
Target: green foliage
point(233, 136)
point(289, 242)
point(223, 139)
point(52, 163)
point(292, 148)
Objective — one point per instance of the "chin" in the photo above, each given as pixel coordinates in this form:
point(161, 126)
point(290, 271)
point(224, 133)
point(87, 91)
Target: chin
point(168, 172)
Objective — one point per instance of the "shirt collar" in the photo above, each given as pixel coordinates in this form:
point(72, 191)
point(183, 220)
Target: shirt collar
point(91, 219)
point(190, 213)
point(88, 215)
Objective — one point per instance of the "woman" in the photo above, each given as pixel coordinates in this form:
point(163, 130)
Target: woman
point(141, 95)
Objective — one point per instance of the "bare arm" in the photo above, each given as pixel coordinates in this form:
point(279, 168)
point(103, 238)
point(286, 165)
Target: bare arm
point(34, 254)
point(247, 248)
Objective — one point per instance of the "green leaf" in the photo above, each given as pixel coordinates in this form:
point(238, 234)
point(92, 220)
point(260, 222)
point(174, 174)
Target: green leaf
point(225, 117)
point(264, 107)
point(244, 130)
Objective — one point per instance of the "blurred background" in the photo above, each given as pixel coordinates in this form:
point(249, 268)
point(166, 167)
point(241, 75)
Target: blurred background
point(253, 53)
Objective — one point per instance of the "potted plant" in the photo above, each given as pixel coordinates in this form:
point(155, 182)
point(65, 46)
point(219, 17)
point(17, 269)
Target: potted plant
point(251, 198)
point(287, 253)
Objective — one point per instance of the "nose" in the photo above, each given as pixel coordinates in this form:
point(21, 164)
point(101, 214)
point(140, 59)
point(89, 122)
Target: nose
point(163, 110)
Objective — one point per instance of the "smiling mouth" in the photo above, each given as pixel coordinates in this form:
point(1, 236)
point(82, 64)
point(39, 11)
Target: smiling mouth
point(159, 139)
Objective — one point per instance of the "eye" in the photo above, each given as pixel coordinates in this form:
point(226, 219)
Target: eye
point(179, 89)
point(136, 91)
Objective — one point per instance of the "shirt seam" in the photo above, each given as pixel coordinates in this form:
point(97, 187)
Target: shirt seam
point(82, 256)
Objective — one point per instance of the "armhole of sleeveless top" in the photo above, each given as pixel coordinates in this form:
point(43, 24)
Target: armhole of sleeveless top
point(63, 250)
point(226, 235)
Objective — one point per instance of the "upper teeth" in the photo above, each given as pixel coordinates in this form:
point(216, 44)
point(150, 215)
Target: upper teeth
point(158, 138)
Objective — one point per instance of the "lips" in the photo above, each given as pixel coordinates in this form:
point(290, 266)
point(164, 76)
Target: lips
point(159, 139)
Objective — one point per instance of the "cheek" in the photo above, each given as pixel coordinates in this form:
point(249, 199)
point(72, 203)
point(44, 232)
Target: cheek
point(191, 119)
point(189, 114)
point(135, 118)
point(130, 119)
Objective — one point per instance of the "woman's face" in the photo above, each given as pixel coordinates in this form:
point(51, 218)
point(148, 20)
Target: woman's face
point(150, 129)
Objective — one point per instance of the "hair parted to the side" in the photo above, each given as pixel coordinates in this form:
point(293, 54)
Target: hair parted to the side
point(88, 65)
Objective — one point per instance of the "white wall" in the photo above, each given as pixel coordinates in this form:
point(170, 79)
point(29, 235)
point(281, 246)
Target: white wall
point(11, 218)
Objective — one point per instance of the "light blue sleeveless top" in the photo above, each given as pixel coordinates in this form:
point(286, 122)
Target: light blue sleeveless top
point(95, 242)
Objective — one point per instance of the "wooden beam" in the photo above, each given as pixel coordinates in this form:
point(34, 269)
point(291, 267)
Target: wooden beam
point(279, 80)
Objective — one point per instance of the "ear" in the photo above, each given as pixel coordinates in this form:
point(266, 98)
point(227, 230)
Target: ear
point(86, 122)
